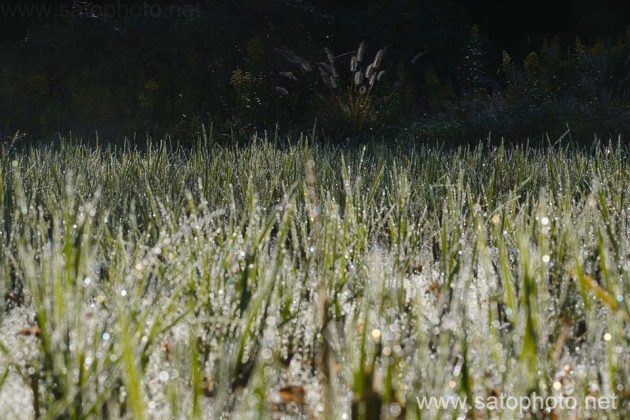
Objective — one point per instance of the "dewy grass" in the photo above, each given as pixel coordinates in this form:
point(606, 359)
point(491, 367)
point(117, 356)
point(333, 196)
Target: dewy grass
point(299, 280)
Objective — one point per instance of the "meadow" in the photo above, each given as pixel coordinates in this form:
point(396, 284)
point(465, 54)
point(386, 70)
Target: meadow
point(287, 278)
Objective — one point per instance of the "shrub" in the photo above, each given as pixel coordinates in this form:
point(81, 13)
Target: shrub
point(351, 101)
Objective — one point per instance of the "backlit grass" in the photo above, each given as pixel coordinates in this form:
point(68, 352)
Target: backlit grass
point(282, 278)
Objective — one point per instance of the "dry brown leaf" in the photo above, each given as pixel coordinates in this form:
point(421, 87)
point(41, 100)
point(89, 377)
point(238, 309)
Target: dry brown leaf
point(166, 349)
point(435, 288)
point(208, 387)
point(292, 393)
point(34, 330)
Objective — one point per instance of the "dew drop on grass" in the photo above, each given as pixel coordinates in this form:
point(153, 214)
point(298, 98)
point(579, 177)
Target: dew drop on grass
point(395, 410)
point(266, 354)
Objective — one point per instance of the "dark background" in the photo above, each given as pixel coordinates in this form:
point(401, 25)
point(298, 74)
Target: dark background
point(509, 24)
point(121, 74)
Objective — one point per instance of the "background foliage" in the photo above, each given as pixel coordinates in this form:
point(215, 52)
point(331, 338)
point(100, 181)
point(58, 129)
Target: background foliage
point(445, 77)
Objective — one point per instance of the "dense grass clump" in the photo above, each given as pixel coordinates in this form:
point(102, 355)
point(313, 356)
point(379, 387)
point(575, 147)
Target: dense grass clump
point(309, 281)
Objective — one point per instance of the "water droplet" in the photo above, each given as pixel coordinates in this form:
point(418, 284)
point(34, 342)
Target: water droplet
point(163, 376)
point(266, 354)
point(395, 410)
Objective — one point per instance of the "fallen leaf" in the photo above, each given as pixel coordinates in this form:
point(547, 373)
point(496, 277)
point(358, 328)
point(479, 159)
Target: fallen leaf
point(292, 393)
point(208, 387)
point(435, 288)
point(166, 348)
point(34, 330)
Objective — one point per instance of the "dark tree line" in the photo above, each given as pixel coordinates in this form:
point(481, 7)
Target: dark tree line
point(84, 67)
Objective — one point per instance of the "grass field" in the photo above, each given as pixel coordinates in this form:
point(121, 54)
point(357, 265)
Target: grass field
point(280, 279)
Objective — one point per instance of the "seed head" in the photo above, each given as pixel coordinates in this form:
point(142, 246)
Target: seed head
point(361, 52)
point(378, 59)
point(370, 71)
point(289, 75)
point(333, 70)
point(305, 66)
point(354, 63)
point(329, 56)
point(358, 78)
